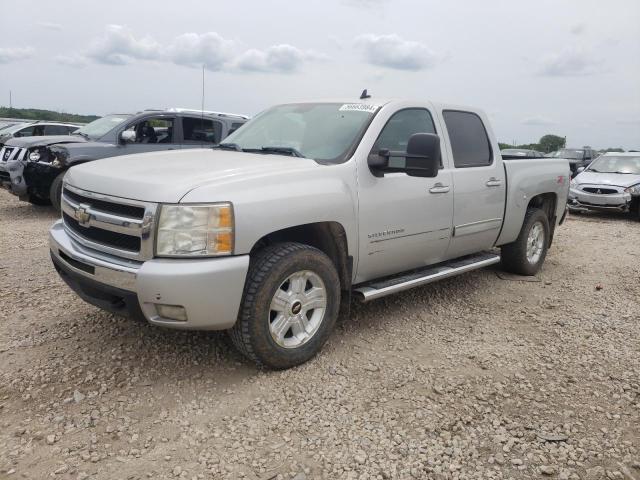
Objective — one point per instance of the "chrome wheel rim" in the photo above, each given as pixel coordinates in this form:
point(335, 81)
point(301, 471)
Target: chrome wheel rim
point(297, 309)
point(535, 243)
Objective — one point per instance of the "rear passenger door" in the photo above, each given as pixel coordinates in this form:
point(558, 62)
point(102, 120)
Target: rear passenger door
point(479, 183)
point(56, 130)
point(198, 132)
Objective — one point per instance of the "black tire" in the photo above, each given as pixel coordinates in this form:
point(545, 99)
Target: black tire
point(37, 201)
point(268, 270)
point(55, 191)
point(514, 255)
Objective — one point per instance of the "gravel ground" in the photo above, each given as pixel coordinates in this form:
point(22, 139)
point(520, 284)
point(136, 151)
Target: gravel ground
point(482, 376)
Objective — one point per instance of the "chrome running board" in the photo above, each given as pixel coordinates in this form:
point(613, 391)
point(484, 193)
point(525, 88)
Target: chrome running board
point(379, 288)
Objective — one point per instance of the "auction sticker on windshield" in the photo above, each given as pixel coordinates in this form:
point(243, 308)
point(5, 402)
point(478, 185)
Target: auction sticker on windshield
point(357, 107)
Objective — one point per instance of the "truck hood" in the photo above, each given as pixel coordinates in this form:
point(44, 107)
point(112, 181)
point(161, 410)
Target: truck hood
point(167, 176)
point(617, 179)
point(44, 141)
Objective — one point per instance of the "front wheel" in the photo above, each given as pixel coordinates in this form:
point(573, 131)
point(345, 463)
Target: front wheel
point(55, 191)
point(526, 255)
point(290, 305)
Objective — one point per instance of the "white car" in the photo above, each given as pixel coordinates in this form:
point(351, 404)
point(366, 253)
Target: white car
point(611, 182)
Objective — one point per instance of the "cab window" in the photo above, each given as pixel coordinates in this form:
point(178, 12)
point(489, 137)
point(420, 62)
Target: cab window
point(150, 130)
point(201, 130)
point(395, 134)
point(469, 140)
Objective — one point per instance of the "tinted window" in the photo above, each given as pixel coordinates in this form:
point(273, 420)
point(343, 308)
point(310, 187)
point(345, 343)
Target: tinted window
point(235, 126)
point(56, 130)
point(24, 132)
point(469, 140)
point(151, 130)
point(395, 134)
point(201, 130)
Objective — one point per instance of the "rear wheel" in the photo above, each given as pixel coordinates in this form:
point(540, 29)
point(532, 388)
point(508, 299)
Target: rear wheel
point(290, 305)
point(526, 255)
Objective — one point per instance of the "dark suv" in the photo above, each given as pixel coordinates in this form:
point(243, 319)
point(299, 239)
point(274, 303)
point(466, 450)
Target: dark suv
point(33, 167)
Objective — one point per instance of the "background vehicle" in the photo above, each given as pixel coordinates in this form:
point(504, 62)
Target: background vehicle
point(271, 233)
point(610, 183)
point(33, 167)
point(577, 157)
point(521, 152)
point(32, 129)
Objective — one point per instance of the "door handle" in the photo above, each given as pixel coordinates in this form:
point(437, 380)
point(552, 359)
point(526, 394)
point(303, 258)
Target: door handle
point(439, 188)
point(493, 182)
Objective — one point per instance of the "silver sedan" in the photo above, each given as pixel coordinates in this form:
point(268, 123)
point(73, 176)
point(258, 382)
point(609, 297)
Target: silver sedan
point(610, 183)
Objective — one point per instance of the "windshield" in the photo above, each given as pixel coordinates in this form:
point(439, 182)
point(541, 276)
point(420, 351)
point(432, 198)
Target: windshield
point(322, 131)
point(611, 164)
point(569, 153)
point(15, 127)
point(98, 128)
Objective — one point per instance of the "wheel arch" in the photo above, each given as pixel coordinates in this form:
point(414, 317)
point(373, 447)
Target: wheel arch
point(546, 202)
point(328, 237)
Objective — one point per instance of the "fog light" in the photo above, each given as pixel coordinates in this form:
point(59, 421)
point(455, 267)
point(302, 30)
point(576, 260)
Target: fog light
point(172, 312)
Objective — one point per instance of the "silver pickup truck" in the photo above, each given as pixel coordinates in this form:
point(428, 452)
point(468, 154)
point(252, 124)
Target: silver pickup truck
point(270, 234)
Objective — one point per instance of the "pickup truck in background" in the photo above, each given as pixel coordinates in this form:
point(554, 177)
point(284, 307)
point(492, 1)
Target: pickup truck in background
point(269, 234)
point(32, 167)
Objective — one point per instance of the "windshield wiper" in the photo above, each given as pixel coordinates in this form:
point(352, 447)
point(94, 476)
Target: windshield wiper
point(229, 146)
point(288, 150)
point(625, 173)
point(82, 134)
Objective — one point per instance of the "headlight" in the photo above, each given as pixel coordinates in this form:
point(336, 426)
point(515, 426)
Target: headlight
point(34, 156)
point(633, 189)
point(195, 230)
point(573, 184)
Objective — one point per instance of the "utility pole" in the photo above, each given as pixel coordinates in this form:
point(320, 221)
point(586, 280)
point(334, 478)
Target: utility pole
point(10, 101)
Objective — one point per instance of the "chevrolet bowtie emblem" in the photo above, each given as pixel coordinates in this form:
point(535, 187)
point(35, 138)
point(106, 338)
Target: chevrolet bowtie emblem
point(82, 214)
point(7, 154)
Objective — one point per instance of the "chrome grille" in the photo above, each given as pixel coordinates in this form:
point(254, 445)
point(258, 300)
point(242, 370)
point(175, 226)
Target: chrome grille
point(600, 190)
point(113, 225)
point(12, 153)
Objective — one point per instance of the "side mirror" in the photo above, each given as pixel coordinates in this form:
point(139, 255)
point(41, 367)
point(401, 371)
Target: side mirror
point(127, 136)
point(422, 157)
point(580, 170)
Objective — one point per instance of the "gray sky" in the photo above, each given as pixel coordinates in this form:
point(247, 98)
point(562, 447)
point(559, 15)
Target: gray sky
point(570, 67)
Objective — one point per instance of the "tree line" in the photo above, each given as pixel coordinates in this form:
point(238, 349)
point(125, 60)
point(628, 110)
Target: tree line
point(549, 143)
point(49, 115)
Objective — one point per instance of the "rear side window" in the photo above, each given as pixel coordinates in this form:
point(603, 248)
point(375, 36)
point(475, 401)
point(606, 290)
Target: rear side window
point(201, 130)
point(56, 130)
point(469, 140)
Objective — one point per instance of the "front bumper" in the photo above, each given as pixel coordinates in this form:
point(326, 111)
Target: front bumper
point(12, 177)
point(210, 290)
point(579, 200)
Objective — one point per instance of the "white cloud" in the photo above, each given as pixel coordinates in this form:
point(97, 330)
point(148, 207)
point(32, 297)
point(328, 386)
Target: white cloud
point(540, 121)
point(578, 28)
point(13, 54)
point(275, 59)
point(570, 62)
point(50, 25)
point(118, 46)
point(194, 50)
point(392, 51)
point(73, 60)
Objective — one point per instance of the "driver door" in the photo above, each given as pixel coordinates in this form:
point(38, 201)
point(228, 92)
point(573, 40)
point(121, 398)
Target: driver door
point(404, 221)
